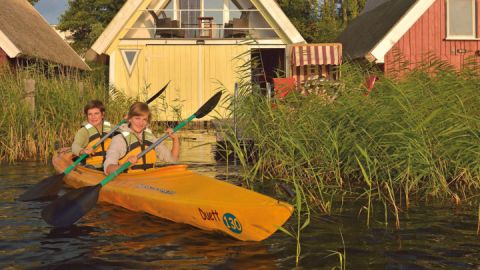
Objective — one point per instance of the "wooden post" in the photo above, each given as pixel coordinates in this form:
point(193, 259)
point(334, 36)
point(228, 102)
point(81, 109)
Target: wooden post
point(269, 92)
point(30, 93)
point(81, 89)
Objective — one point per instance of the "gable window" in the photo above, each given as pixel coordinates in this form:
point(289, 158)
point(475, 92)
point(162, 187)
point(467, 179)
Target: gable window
point(129, 58)
point(200, 19)
point(461, 19)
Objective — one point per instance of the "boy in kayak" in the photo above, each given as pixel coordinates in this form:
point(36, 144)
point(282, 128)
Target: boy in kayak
point(134, 137)
point(90, 133)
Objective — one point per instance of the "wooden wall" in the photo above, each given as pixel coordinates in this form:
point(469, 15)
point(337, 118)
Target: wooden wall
point(428, 35)
point(3, 57)
point(196, 73)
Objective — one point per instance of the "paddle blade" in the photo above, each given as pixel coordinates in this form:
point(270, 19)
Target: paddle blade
point(208, 106)
point(157, 94)
point(69, 208)
point(48, 187)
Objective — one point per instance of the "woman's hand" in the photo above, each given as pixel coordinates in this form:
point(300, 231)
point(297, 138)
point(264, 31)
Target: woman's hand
point(133, 160)
point(112, 168)
point(176, 144)
point(172, 134)
point(88, 151)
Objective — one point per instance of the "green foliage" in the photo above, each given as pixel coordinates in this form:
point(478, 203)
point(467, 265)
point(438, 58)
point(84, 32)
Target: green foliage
point(33, 2)
point(414, 138)
point(58, 113)
point(321, 21)
point(87, 19)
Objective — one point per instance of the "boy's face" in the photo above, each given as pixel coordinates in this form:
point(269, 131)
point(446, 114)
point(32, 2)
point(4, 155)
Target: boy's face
point(95, 117)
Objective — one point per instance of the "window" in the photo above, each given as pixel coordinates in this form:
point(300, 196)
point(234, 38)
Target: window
point(214, 8)
point(461, 19)
point(129, 58)
point(169, 9)
point(234, 7)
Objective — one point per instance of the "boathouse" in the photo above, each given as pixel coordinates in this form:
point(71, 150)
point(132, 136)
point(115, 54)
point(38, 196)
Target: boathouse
point(198, 45)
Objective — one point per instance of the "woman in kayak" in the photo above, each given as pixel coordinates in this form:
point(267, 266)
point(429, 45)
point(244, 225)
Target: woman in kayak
point(134, 137)
point(90, 133)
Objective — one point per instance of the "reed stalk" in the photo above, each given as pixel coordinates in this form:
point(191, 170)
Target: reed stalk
point(58, 112)
point(414, 137)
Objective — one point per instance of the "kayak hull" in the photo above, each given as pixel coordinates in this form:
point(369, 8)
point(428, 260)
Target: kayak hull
point(183, 196)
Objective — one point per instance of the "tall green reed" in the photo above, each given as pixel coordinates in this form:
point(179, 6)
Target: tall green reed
point(414, 137)
point(58, 113)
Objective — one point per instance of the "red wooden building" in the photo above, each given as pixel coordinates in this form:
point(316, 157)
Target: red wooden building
point(413, 30)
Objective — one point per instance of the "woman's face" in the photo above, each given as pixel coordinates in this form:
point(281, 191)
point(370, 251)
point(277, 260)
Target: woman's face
point(138, 123)
point(95, 117)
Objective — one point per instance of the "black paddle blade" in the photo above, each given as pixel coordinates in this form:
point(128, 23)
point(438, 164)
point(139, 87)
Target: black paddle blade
point(208, 106)
point(69, 208)
point(157, 94)
point(48, 187)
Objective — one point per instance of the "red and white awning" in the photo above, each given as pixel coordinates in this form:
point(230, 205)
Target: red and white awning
point(316, 54)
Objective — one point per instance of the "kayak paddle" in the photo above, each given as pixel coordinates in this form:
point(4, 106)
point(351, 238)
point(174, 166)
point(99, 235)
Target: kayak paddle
point(72, 206)
point(50, 186)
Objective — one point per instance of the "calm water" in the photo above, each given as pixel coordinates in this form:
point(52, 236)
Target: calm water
point(110, 237)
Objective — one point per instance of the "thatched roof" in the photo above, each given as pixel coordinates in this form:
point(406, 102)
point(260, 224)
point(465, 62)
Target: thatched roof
point(370, 27)
point(25, 33)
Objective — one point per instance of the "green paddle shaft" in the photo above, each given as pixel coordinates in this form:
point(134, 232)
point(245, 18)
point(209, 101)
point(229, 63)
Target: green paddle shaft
point(128, 163)
point(181, 125)
point(82, 157)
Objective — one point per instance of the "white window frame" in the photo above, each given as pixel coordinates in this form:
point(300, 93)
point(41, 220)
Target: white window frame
point(225, 9)
point(129, 66)
point(474, 22)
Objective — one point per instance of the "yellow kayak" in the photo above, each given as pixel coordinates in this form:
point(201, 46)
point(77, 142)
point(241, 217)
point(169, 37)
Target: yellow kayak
point(182, 196)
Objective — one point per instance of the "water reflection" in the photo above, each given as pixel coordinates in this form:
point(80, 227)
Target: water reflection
point(109, 237)
point(116, 236)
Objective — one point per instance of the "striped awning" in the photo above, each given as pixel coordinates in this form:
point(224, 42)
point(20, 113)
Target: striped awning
point(316, 54)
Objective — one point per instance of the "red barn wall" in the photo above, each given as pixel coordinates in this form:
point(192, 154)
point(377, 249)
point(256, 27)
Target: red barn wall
point(3, 57)
point(428, 35)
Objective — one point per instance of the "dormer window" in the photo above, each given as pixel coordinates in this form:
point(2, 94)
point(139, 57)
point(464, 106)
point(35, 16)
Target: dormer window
point(461, 19)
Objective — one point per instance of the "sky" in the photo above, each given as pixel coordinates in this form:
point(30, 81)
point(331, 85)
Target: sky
point(51, 9)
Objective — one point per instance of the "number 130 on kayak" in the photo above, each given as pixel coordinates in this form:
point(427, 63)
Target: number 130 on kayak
point(232, 223)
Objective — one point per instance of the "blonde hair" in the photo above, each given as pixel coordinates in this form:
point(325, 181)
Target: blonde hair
point(137, 109)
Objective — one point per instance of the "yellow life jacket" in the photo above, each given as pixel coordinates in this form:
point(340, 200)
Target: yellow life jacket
point(98, 157)
point(134, 147)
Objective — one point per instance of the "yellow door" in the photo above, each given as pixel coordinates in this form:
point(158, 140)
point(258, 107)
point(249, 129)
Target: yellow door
point(196, 73)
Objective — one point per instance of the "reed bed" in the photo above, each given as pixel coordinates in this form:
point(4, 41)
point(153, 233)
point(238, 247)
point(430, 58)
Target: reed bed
point(35, 134)
point(415, 137)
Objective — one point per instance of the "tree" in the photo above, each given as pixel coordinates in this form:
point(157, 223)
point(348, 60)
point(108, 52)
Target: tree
point(321, 20)
point(351, 9)
point(86, 20)
point(33, 2)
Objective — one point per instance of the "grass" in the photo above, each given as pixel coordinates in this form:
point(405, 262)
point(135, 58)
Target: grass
point(414, 138)
point(58, 113)
point(418, 136)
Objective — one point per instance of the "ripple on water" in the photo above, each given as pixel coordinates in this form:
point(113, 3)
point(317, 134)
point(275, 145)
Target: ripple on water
point(109, 237)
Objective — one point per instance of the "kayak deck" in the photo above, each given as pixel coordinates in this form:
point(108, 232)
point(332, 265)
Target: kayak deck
point(182, 196)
